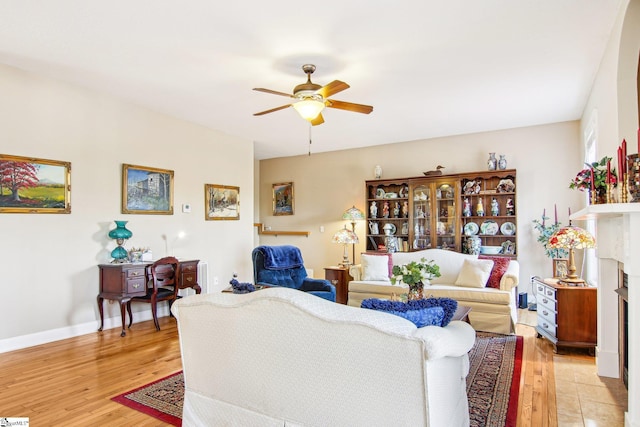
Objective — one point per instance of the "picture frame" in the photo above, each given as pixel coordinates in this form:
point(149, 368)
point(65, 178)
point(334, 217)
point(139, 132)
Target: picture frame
point(560, 268)
point(147, 190)
point(221, 202)
point(33, 185)
point(283, 199)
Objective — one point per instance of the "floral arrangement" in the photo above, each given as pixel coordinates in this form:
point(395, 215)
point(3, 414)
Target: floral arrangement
point(415, 272)
point(546, 231)
point(582, 181)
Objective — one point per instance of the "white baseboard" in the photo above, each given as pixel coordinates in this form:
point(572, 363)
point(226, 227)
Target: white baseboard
point(44, 337)
point(608, 363)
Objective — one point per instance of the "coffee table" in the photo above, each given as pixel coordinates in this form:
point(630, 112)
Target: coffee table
point(462, 313)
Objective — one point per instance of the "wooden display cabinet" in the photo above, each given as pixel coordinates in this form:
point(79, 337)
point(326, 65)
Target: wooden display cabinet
point(429, 212)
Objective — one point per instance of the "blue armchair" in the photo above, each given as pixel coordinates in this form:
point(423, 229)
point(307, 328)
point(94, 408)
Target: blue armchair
point(283, 266)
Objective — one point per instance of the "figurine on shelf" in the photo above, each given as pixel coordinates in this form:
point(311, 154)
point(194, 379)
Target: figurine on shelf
point(373, 209)
point(495, 209)
point(396, 210)
point(419, 212)
point(405, 209)
point(480, 208)
point(510, 208)
point(373, 227)
point(466, 207)
point(385, 210)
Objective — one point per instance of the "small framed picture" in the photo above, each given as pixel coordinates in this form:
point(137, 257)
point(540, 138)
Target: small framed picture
point(147, 190)
point(30, 185)
point(283, 198)
point(560, 268)
point(221, 202)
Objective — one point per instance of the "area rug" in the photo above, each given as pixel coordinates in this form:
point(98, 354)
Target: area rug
point(493, 383)
point(161, 399)
point(492, 386)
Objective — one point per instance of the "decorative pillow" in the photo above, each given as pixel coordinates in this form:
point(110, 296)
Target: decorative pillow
point(500, 265)
point(384, 255)
point(423, 312)
point(474, 273)
point(375, 267)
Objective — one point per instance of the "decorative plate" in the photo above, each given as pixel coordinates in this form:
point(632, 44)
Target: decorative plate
point(471, 228)
point(391, 227)
point(489, 227)
point(390, 195)
point(508, 228)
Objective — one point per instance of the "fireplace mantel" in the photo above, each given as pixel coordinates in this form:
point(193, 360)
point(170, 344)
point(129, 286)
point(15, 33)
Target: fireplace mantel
point(618, 241)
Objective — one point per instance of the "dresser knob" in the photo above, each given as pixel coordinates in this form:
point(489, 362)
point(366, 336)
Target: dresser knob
point(545, 325)
point(135, 273)
point(136, 285)
point(545, 312)
point(549, 293)
point(544, 300)
point(189, 279)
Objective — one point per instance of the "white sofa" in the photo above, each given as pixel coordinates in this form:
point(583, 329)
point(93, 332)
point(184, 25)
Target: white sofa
point(281, 357)
point(492, 309)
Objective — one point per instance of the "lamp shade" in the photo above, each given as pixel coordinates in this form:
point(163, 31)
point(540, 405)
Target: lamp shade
point(353, 214)
point(571, 237)
point(120, 232)
point(345, 236)
point(309, 108)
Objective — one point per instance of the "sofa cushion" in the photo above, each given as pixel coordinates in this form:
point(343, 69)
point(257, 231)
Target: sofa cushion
point(474, 273)
point(477, 295)
point(449, 262)
point(376, 266)
point(500, 265)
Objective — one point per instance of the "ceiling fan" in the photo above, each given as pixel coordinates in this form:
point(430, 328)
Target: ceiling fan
point(312, 98)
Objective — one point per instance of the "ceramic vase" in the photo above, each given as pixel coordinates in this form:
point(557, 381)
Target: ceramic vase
point(502, 163)
point(492, 163)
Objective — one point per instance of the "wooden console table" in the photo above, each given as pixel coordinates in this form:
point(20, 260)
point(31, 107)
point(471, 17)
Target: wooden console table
point(339, 277)
point(121, 282)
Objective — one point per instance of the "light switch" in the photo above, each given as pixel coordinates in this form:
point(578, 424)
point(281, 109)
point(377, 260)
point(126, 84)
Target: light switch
point(322, 228)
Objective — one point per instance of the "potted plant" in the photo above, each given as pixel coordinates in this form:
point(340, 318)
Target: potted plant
point(415, 274)
point(546, 231)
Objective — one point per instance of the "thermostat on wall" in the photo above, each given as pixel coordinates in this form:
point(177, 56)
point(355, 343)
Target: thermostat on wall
point(186, 208)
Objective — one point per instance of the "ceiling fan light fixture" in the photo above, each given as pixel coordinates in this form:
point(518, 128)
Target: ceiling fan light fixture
point(309, 108)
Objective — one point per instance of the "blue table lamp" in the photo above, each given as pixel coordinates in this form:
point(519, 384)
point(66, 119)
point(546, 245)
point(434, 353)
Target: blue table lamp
point(120, 234)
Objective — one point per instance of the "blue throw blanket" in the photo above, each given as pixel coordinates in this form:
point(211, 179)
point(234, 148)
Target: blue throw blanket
point(281, 257)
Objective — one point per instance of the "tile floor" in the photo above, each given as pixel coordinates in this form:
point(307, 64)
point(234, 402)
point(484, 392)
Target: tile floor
point(584, 399)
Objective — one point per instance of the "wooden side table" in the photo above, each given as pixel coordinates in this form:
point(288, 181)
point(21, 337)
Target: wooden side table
point(339, 277)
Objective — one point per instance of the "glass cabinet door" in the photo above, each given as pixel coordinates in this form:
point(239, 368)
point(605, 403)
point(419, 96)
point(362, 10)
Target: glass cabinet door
point(421, 232)
point(446, 215)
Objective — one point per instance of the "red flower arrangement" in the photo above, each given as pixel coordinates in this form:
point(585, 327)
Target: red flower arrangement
point(599, 171)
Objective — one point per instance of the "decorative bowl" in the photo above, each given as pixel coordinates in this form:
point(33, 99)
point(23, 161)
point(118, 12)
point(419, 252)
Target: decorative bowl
point(490, 250)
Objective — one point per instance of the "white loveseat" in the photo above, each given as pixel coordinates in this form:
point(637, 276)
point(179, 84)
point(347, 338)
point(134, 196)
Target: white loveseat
point(281, 357)
point(492, 309)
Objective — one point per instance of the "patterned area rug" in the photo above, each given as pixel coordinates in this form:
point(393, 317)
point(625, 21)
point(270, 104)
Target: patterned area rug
point(492, 386)
point(161, 399)
point(493, 383)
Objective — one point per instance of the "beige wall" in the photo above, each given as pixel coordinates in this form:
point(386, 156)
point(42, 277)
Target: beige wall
point(327, 184)
point(49, 274)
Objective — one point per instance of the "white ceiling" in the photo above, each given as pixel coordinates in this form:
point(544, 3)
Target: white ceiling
point(430, 68)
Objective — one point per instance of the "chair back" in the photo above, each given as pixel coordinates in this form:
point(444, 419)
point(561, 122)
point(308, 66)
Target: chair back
point(165, 273)
point(291, 277)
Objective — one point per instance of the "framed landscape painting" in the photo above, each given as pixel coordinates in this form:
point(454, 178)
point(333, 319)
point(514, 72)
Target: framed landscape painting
point(147, 190)
point(221, 202)
point(30, 185)
point(283, 198)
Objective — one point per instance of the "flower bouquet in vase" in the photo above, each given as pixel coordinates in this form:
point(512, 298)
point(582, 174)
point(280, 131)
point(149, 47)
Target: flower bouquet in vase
point(415, 274)
point(595, 179)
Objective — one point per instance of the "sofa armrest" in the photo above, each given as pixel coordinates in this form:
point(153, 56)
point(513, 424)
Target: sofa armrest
point(356, 271)
point(511, 277)
point(454, 340)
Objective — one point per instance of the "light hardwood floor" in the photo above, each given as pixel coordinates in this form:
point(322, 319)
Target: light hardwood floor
point(71, 382)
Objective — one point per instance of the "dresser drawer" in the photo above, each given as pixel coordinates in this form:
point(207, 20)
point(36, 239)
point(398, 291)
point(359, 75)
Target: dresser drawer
point(547, 326)
point(135, 272)
point(188, 280)
point(136, 286)
point(547, 314)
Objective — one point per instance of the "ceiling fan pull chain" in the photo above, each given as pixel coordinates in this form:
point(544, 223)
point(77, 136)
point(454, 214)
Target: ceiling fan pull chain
point(310, 127)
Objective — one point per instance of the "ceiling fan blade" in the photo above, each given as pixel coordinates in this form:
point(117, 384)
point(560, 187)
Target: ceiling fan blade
point(349, 106)
point(317, 121)
point(273, 92)
point(332, 88)
point(282, 107)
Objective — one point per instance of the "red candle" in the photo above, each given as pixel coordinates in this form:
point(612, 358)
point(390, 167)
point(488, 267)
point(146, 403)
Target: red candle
point(620, 163)
point(569, 212)
point(638, 141)
point(608, 171)
point(593, 184)
point(624, 156)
